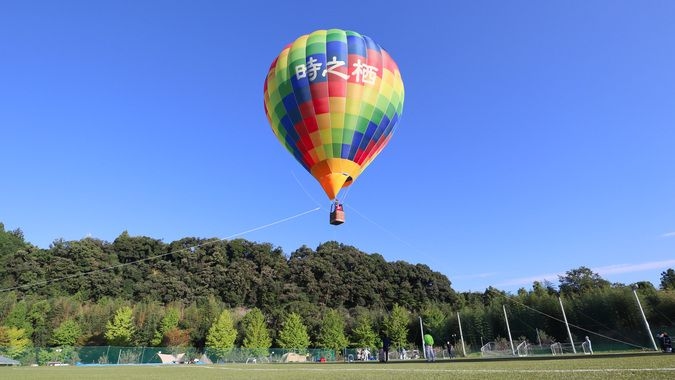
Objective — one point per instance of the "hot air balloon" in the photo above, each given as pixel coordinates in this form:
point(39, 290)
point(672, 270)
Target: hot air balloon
point(333, 98)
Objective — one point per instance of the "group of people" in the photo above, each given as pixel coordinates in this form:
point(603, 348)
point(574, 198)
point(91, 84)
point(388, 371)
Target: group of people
point(429, 353)
point(384, 352)
point(363, 354)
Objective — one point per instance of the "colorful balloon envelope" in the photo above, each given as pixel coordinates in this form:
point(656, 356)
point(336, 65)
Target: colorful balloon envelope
point(333, 99)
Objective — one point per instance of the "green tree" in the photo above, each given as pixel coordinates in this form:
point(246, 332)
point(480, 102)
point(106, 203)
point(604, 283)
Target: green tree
point(168, 324)
point(11, 246)
point(256, 335)
point(396, 325)
point(199, 317)
point(144, 279)
point(170, 320)
point(332, 331)
point(68, 259)
point(433, 319)
point(10, 241)
point(7, 302)
point(668, 279)
point(363, 333)
point(38, 315)
point(121, 329)
point(16, 341)
point(293, 334)
point(581, 280)
point(18, 317)
point(477, 327)
point(148, 316)
point(66, 334)
point(222, 334)
point(94, 317)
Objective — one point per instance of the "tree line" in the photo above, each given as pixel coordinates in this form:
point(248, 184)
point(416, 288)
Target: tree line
point(210, 292)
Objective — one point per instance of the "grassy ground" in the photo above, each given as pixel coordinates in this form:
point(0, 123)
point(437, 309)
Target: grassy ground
point(642, 366)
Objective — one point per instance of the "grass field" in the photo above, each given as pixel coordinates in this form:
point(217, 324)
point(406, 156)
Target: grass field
point(641, 366)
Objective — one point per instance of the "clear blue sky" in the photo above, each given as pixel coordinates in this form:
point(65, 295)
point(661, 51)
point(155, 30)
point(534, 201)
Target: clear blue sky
point(536, 137)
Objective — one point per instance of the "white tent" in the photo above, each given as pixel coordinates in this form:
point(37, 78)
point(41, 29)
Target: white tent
point(7, 361)
point(293, 357)
point(171, 359)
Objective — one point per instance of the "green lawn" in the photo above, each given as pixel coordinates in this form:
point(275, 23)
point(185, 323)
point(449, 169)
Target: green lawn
point(643, 366)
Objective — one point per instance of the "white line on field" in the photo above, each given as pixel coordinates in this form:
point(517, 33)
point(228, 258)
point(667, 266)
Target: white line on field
point(440, 370)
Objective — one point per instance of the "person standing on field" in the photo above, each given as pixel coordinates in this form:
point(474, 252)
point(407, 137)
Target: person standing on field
point(386, 343)
point(666, 343)
point(588, 344)
point(429, 347)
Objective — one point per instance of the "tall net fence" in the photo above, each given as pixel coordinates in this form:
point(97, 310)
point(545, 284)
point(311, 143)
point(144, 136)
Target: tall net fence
point(112, 355)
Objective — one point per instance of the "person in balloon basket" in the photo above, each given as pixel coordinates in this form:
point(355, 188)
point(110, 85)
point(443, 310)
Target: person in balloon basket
point(429, 347)
point(666, 343)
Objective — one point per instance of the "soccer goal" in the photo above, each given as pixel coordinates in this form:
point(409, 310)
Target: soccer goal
point(494, 349)
point(556, 349)
point(523, 349)
point(586, 346)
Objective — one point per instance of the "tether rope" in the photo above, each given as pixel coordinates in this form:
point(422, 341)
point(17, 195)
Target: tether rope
point(384, 229)
point(305, 190)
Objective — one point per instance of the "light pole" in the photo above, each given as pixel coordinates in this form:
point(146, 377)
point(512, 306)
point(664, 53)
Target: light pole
point(644, 318)
point(508, 328)
point(569, 333)
point(424, 348)
point(461, 334)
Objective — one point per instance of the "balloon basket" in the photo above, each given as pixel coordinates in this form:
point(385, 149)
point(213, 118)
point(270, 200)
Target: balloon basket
point(337, 217)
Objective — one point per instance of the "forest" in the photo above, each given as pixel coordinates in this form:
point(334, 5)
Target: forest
point(79, 293)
